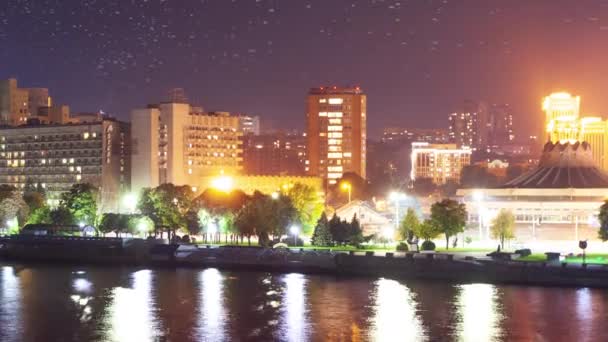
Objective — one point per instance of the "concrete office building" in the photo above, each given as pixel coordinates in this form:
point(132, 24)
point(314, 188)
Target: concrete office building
point(174, 144)
point(58, 156)
point(249, 125)
point(336, 132)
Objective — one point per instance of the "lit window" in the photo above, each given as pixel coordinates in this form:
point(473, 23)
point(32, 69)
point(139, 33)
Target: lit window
point(322, 100)
point(335, 114)
point(336, 101)
point(322, 113)
point(85, 135)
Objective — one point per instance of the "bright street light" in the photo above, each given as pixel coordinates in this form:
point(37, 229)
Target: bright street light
point(129, 200)
point(274, 195)
point(295, 230)
point(223, 183)
point(347, 187)
point(81, 224)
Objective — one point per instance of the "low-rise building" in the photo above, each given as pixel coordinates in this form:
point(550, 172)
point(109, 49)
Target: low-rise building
point(371, 221)
point(58, 156)
point(439, 162)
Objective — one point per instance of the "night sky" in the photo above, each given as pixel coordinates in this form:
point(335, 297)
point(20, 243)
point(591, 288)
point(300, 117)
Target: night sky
point(417, 60)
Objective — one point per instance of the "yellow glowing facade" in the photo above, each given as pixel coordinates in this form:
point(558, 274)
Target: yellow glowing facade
point(562, 116)
point(563, 123)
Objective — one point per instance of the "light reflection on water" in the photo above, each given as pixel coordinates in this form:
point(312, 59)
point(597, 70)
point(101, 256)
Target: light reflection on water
point(130, 312)
point(212, 313)
point(10, 310)
point(395, 317)
point(106, 304)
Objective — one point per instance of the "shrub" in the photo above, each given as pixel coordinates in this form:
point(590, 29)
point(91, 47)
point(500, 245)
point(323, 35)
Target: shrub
point(402, 247)
point(428, 246)
point(468, 240)
point(523, 252)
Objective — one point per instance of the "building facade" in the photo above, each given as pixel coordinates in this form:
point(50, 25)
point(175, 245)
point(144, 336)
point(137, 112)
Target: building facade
point(439, 162)
point(430, 135)
point(58, 156)
point(274, 154)
point(174, 144)
point(249, 125)
point(481, 127)
point(336, 132)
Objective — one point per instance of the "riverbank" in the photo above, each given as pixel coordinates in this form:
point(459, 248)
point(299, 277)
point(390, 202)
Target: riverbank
point(432, 266)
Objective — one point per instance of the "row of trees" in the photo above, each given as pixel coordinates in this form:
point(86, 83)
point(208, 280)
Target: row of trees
point(337, 232)
point(77, 206)
point(232, 215)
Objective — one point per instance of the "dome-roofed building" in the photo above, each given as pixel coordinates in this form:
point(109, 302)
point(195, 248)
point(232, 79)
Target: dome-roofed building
point(564, 191)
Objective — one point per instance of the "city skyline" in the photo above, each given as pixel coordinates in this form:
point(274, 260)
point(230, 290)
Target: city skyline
point(417, 61)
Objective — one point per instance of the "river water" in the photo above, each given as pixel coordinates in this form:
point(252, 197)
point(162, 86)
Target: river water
point(60, 303)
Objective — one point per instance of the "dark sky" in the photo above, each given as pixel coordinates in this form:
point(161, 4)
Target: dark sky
point(416, 59)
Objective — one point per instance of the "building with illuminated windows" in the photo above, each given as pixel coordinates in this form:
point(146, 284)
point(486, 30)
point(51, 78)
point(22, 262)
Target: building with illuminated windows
point(178, 143)
point(439, 162)
point(561, 117)
point(57, 156)
point(336, 132)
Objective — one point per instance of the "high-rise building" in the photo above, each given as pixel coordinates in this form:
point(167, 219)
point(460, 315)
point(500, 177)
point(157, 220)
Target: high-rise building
point(561, 117)
point(336, 132)
point(274, 154)
point(174, 144)
point(439, 162)
point(249, 124)
point(58, 156)
point(464, 125)
point(500, 126)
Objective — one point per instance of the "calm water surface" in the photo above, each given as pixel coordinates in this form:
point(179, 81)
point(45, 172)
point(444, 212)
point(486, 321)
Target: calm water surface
point(56, 303)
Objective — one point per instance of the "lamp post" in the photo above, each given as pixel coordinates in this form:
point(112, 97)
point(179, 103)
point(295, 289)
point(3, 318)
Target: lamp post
point(129, 200)
point(294, 231)
point(396, 197)
point(347, 187)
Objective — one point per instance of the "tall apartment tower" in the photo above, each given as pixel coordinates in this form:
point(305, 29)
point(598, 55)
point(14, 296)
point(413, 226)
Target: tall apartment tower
point(465, 123)
point(14, 103)
point(336, 132)
point(172, 143)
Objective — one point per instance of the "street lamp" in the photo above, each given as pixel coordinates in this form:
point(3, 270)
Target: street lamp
point(478, 198)
point(129, 200)
point(274, 195)
point(396, 197)
point(295, 230)
point(347, 187)
point(223, 183)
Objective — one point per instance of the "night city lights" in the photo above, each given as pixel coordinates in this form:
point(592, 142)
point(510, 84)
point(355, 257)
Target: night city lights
point(303, 170)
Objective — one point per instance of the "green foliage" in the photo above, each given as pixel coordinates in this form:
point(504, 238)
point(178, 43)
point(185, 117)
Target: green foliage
point(166, 205)
point(427, 230)
point(402, 247)
point(61, 216)
point(322, 236)
point(428, 245)
point(450, 218)
point(409, 224)
point(114, 223)
point(40, 215)
point(81, 202)
point(13, 207)
point(502, 226)
point(355, 236)
point(603, 218)
point(308, 206)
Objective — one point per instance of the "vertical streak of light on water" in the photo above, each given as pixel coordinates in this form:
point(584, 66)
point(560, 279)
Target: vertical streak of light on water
point(212, 312)
point(479, 313)
point(294, 318)
point(10, 310)
point(395, 314)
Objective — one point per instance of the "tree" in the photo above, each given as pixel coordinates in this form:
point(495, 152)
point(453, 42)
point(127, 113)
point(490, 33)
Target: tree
point(450, 218)
point(603, 218)
point(427, 230)
point(61, 216)
point(408, 225)
point(13, 207)
point(167, 206)
point(502, 226)
point(340, 230)
point(110, 223)
point(40, 215)
point(322, 235)
point(81, 201)
point(308, 205)
point(355, 234)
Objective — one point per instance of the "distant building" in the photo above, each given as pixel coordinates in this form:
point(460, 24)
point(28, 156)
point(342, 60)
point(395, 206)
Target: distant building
point(58, 156)
point(561, 117)
point(274, 154)
point(481, 127)
point(371, 220)
point(430, 135)
point(336, 132)
point(249, 124)
point(439, 162)
point(173, 144)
